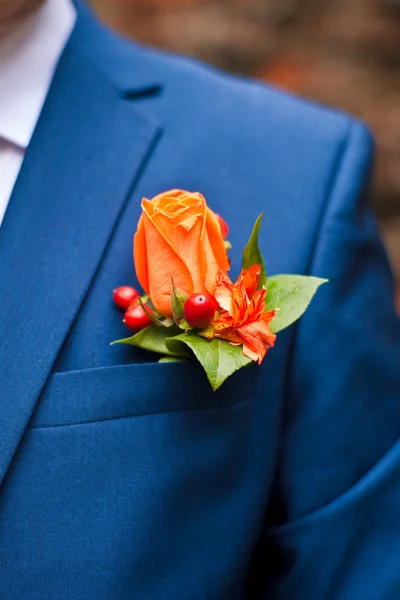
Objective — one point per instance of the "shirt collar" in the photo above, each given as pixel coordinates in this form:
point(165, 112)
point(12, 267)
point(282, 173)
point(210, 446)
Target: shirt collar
point(28, 58)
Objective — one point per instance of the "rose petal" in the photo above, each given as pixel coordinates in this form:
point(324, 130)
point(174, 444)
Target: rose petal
point(216, 240)
point(140, 256)
point(185, 244)
point(165, 265)
point(223, 226)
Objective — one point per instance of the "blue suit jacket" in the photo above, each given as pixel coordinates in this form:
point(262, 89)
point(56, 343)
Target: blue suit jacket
point(124, 478)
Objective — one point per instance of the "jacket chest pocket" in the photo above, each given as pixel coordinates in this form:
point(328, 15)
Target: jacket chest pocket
point(77, 397)
point(139, 470)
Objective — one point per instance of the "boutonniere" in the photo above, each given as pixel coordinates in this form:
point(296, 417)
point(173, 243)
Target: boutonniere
point(191, 308)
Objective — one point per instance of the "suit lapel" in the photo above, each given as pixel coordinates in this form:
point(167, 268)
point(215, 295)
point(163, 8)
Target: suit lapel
point(88, 150)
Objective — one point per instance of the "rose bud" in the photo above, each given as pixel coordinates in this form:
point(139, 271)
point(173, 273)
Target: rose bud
point(178, 239)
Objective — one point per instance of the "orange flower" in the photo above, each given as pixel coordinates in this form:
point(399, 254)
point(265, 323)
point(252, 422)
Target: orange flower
point(224, 226)
point(243, 319)
point(179, 238)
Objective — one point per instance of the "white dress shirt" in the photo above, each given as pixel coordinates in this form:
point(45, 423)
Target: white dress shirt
point(28, 58)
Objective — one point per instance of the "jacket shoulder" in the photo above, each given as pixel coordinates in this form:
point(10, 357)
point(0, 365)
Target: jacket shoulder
point(207, 91)
point(256, 108)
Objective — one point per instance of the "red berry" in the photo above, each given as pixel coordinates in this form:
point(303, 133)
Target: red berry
point(199, 310)
point(136, 318)
point(125, 296)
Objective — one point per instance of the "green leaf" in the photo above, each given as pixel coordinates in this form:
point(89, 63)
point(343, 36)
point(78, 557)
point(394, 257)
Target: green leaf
point(171, 359)
point(153, 338)
point(291, 294)
point(178, 299)
point(218, 358)
point(252, 254)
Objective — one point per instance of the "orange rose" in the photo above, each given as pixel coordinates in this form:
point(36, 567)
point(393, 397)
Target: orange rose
point(179, 238)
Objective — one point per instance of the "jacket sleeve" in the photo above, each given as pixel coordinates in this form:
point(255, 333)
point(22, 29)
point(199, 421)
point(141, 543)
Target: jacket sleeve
point(334, 528)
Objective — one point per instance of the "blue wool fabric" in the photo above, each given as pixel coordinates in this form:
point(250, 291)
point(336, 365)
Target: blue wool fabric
point(124, 478)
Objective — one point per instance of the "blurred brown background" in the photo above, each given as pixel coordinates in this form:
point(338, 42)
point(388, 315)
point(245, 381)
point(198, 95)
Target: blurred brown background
point(344, 53)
